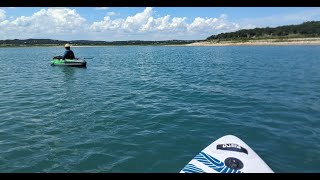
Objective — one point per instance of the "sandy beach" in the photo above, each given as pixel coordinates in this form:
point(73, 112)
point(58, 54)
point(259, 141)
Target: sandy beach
point(292, 41)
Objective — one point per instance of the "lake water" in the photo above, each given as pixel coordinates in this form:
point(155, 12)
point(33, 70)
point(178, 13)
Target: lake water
point(153, 108)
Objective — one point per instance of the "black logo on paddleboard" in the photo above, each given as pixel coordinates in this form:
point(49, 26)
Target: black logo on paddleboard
point(233, 163)
point(232, 147)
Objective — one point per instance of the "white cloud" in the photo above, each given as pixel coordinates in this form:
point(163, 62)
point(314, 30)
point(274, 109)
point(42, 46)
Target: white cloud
point(111, 14)
point(166, 26)
point(44, 22)
point(212, 25)
point(132, 23)
point(66, 23)
point(101, 8)
point(2, 15)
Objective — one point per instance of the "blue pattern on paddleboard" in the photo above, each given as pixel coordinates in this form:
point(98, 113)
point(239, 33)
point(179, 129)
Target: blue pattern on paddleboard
point(190, 168)
point(213, 163)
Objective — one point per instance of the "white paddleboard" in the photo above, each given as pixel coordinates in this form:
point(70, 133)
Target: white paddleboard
point(228, 154)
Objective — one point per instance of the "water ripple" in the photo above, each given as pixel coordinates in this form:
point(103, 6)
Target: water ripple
point(151, 109)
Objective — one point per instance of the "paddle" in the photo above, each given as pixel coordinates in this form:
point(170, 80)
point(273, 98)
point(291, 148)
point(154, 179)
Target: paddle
point(57, 57)
point(84, 58)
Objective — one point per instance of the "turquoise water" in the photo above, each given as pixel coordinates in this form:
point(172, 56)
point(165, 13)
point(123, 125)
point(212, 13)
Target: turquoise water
point(152, 109)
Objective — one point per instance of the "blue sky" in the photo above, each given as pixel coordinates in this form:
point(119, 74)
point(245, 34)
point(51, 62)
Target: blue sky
point(143, 23)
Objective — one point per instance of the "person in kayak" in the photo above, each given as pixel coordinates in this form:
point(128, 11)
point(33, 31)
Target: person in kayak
point(68, 54)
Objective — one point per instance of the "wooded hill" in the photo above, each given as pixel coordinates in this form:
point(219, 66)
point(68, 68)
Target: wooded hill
point(304, 30)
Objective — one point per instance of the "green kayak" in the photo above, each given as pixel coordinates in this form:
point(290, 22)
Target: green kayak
point(69, 62)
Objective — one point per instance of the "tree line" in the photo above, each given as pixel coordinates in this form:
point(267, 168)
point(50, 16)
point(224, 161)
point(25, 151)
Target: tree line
point(306, 29)
point(39, 42)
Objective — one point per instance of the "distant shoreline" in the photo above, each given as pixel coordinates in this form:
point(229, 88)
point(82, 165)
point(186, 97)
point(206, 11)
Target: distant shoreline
point(261, 42)
point(289, 41)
